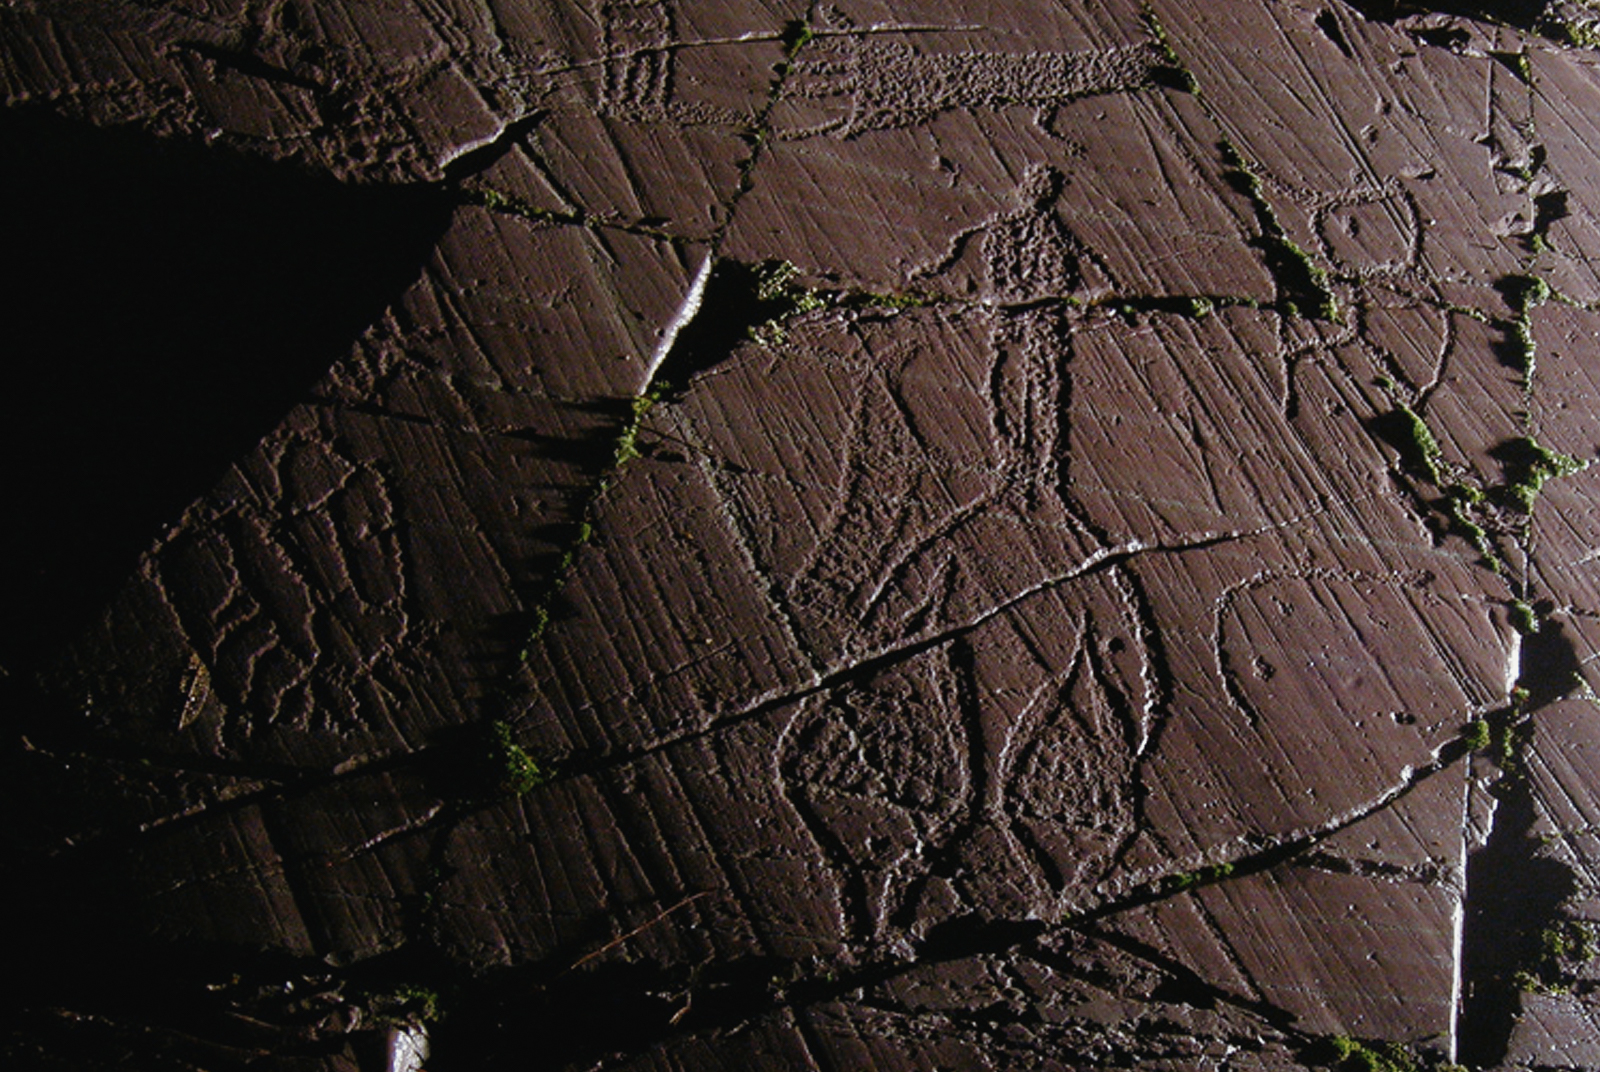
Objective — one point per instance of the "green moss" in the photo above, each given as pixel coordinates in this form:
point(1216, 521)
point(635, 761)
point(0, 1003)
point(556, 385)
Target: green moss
point(1564, 947)
point(1584, 34)
point(1556, 942)
point(1354, 1055)
point(773, 280)
point(627, 447)
point(536, 629)
point(889, 301)
point(1529, 466)
point(1241, 177)
point(1460, 500)
point(1523, 620)
point(1517, 63)
point(509, 765)
point(510, 205)
point(1419, 450)
point(1158, 32)
point(1525, 293)
point(1303, 287)
point(1509, 739)
point(1177, 76)
point(627, 444)
point(797, 34)
point(1477, 735)
point(1553, 463)
point(1535, 292)
point(1570, 940)
point(408, 1003)
point(1526, 350)
point(1530, 983)
point(1188, 880)
point(777, 299)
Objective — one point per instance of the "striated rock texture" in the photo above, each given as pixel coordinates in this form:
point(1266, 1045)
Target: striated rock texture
point(766, 535)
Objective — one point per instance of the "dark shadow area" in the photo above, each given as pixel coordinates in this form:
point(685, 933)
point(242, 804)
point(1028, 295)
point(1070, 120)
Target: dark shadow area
point(140, 1006)
point(1399, 430)
point(1549, 667)
point(1514, 348)
point(1527, 467)
point(1510, 347)
point(738, 299)
point(1521, 291)
point(1328, 23)
point(520, 1024)
point(1513, 894)
point(973, 935)
point(86, 987)
point(1449, 38)
point(168, 304)
point(552, 544)
point(1522, 13)
point(1548, 207)
point(524, 1019)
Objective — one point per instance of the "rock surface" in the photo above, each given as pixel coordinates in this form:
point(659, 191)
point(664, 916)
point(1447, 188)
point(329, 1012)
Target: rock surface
point(738, 534)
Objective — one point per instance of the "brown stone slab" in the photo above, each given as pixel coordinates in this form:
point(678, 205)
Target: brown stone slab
point(1561, 766)
point(1340, 954)
point(1362, 120)
point(1089, 609)
point(1479, 397)
point(366, 548)
point(654, 646)
point(230, 885)
point(1564, 117)
point(1103, 143)
point(1277, 635)
point(1564, 340)
point(931, 415)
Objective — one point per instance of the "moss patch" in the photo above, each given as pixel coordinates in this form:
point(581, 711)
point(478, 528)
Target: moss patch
point(1528, 467)
point(1302, 285)
point(502, 767)
point(1406, 431)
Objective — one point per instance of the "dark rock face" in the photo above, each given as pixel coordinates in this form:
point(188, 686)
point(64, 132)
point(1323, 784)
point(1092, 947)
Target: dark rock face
point(171, 303)
point(692, 535)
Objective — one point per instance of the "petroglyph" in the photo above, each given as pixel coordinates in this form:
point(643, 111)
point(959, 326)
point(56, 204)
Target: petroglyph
point(871, 82)
point(1027, 643)
point(639, 42)
point(637, 37)
point(1030, 255)
point(1031, 263)
point(1065, 779)
point(882, 791)
point(978, 802)
point(890, 556)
